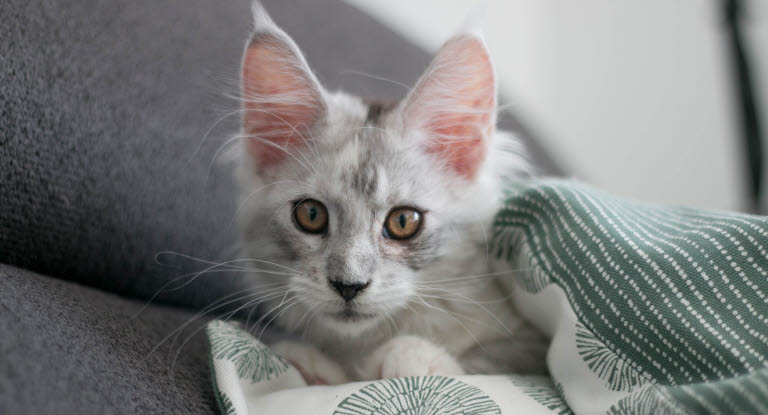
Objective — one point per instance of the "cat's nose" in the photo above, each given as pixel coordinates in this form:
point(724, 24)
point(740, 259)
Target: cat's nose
point(349, 291)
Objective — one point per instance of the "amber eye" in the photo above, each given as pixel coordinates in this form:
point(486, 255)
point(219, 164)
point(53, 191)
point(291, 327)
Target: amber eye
point(311, 216)
point(402, 223)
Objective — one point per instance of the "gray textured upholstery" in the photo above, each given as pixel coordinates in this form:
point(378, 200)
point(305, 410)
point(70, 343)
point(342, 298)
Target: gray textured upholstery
point(68, 349)
point(103, 104)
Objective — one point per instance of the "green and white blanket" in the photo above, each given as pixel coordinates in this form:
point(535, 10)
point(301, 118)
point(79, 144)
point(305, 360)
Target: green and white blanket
point(651, 310)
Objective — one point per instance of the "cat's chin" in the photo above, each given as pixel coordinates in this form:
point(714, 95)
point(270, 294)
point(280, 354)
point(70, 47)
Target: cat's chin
point(350, 322)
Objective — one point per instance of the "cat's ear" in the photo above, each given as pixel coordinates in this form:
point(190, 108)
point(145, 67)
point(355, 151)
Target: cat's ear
point(282, 99)
point(454, 104)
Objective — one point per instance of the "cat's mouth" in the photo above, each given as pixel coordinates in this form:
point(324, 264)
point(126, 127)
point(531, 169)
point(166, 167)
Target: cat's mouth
point(349, 315)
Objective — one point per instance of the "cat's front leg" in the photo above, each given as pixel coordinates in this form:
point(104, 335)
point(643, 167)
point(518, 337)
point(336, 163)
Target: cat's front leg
point(314, 365)
point(409, 356)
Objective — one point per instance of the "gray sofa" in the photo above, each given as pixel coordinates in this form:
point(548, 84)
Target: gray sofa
point(103, 104)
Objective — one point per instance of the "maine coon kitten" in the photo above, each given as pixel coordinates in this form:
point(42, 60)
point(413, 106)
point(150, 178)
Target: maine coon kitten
point(381, 216)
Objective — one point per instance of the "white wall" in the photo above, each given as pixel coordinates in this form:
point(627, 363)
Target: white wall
point(633, 96)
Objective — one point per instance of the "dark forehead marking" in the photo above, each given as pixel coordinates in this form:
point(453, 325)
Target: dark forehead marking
point(364, 178)
point(377, 108)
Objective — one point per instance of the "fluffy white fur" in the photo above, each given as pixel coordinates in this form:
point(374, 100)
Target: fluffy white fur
point(434, 304)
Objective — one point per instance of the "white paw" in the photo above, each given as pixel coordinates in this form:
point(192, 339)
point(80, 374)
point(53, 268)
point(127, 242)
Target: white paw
point(314, 366)
point(410, 356)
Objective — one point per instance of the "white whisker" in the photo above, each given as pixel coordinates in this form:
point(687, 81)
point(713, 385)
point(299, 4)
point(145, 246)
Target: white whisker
point(287, 306)
point(454, 318)
point(248, 198)
point(378, 78)
point(488, 275)
point(479, 305)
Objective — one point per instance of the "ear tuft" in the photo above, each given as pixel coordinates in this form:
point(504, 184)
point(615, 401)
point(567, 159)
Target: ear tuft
point(282, 99)
point(262, 22)
point(454, 104)
point(475, 21)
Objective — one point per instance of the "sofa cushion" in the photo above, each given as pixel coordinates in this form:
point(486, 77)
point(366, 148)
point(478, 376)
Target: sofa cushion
point(70, 349)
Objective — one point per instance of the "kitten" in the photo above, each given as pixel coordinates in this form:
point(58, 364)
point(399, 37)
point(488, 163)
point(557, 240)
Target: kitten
point(381, 216)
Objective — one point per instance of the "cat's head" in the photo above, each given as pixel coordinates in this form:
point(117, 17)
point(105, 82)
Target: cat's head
point(362, 203)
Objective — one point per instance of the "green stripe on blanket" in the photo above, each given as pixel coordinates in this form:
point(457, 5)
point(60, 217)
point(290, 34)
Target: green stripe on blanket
point(666, 307)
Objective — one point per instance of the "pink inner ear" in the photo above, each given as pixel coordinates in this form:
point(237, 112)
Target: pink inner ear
point(281, 101)
point(455, 104)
